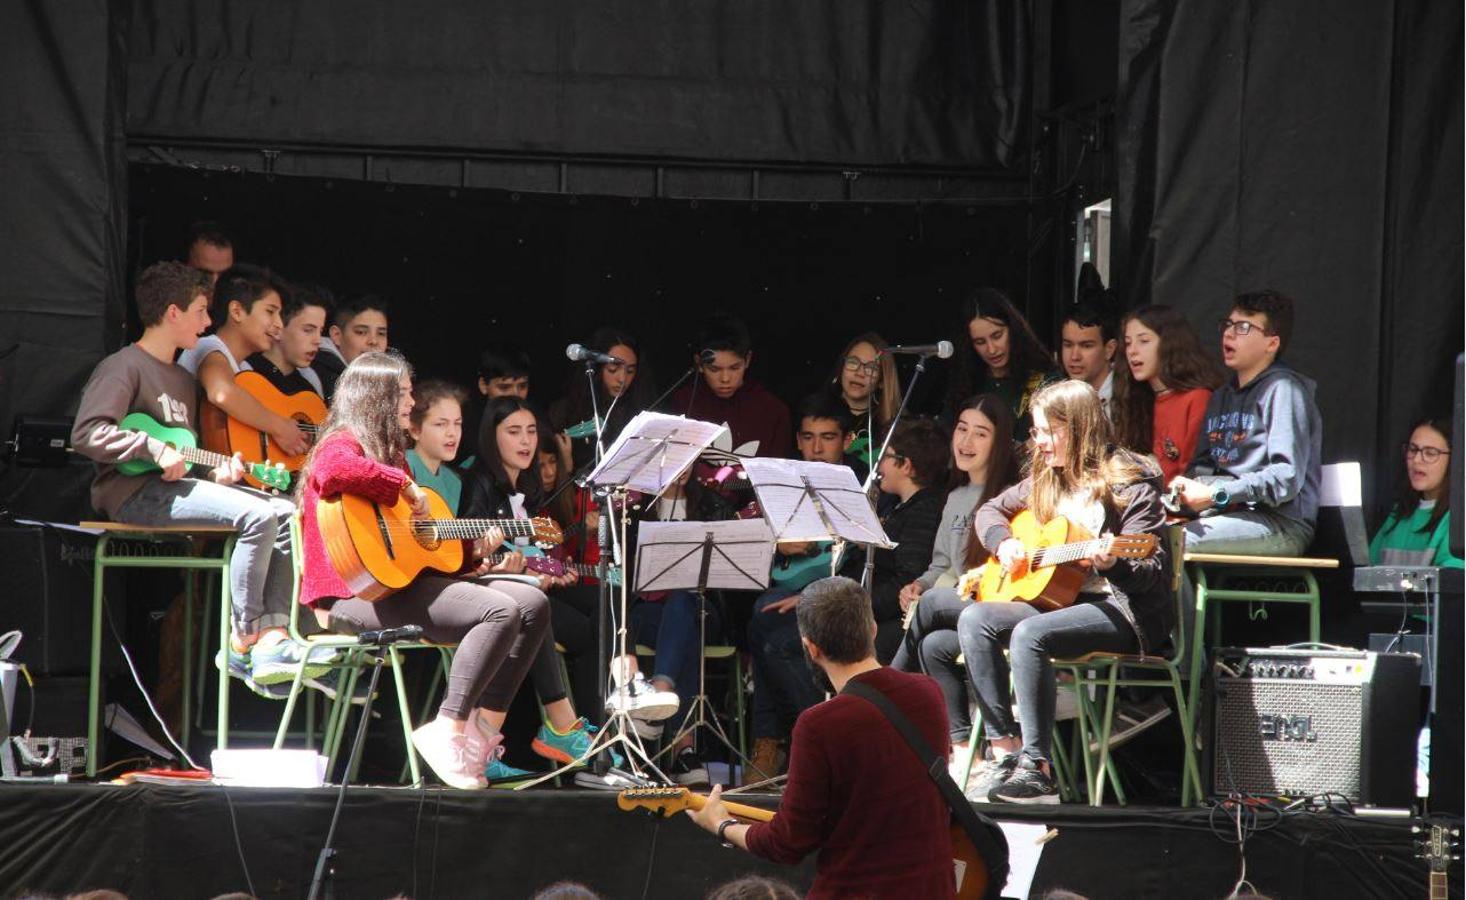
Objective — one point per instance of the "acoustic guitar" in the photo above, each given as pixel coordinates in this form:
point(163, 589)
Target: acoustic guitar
point(379, 549)
point(183, 440)
point(1049, 576)
point(228, 435)
point(971, 870)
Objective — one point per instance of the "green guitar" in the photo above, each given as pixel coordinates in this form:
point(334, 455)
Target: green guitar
point(183, 440)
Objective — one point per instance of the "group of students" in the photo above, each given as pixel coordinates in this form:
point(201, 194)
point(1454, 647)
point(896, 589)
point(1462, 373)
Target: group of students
point(1136, 426)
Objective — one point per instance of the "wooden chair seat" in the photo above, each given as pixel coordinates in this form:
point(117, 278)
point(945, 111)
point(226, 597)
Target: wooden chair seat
point(1282, 562)
point(132, 528)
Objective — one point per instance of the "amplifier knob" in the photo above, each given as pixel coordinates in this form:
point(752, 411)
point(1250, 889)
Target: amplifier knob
point(1293, 671)
point(1308, 671)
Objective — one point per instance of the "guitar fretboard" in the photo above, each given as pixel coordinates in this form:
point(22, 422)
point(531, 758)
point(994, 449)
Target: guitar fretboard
point(1059, 554)
point(1438, 889)
point(473, 529)
point(203, 457)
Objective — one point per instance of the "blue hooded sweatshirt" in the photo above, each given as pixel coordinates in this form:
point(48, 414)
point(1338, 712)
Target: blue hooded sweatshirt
point(1263, 443)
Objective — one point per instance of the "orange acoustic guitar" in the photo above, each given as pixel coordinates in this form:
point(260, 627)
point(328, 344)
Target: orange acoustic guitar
point(379, 549)
point(223, 433)
point(971, 869)
point(1049, 576)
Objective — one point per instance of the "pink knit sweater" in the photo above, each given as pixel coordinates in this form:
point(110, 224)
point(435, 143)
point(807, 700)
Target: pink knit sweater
point(340, 467)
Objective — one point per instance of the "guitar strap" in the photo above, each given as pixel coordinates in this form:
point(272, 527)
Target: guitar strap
point(984, 833)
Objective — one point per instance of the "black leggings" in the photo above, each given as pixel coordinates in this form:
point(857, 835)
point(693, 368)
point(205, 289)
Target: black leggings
point(498, 628)
point(576, 623)
point(930, 645)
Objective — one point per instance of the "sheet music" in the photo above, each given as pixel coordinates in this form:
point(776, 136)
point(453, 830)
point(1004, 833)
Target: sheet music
point(669, 555)
point(652, 450)
point(793, 516)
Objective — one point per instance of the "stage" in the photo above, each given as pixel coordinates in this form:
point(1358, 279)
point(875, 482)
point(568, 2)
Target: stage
point(165, 842)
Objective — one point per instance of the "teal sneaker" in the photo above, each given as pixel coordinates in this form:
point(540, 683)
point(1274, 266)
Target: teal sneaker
point(570, 746)
point(499, 772)
point(279, 662)
point(237, 665)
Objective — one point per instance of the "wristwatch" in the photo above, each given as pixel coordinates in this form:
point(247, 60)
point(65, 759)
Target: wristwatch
point(722, 831)
point(1219, 496)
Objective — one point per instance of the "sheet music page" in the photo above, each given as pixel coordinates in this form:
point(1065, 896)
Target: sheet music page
point(669, 555)
point(652, 450)
point(792, 514)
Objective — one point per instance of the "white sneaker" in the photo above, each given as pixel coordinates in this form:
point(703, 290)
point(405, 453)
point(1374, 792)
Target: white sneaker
point(447, 753)
point(640, 700)
point(1066, 704)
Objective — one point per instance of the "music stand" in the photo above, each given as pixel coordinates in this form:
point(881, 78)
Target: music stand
point(735, 556)
point(815, 501)
point(652, 451)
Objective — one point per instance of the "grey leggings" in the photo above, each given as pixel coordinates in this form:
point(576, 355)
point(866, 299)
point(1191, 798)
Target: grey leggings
point(1034, 639)
point(930, 645)
point(498, 630)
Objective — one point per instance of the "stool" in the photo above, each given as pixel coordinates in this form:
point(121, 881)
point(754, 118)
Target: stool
point(145, 547)
point(1206, 632)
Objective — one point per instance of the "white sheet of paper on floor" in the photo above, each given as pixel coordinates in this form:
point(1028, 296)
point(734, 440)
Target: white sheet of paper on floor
point(1024, 850)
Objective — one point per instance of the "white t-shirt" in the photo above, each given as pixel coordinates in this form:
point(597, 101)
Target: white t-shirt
point(192, 358)
point(1089, 515)
point(1107, 393)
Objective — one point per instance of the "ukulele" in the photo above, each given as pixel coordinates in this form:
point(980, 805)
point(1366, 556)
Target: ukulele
point(379, 549)
point(549, 565)
point(1049, 576)
point(228, 435)
point(183, 440)
point(971, 869)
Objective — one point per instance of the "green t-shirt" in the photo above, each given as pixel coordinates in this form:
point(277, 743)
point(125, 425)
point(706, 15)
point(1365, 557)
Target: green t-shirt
point(447, 483)
point(1401, 542)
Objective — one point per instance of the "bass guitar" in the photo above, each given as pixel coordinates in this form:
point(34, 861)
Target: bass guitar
point(379, 549)
point(227, 434)
point(971, 869)
point(1049, 576)
point(183, 440)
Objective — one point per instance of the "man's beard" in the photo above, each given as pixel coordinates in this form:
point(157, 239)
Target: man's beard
point(816, 673)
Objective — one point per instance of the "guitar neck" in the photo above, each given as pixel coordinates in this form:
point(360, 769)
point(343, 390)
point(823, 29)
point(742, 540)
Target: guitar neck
point(203, 457)
point(473, 529)
point(1438, 886)
point(752, 813)
point(1059, 554)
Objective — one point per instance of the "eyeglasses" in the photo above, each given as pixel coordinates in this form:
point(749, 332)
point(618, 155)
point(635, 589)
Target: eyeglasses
point(1428, 454)
point(1035, 433)
point(895, 458)
point(856, 364)
point(1241, 326)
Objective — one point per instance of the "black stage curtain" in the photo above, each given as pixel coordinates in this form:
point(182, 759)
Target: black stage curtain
point(62, 219)
point(930, 82)
point(1314, 148)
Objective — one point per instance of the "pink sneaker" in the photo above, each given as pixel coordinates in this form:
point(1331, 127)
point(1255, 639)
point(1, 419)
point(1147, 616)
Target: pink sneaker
point(447, 753)
point(484, 744)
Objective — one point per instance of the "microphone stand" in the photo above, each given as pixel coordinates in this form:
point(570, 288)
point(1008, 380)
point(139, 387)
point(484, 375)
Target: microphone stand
point(376, 642)
point(867, 575)
point(675, 385)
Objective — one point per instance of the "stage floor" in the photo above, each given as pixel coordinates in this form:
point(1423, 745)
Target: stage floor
point(178, 842)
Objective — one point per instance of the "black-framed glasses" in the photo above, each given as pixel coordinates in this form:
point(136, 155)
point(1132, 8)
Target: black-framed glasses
point(856, 364)
point(1241, 326)
point(1428, 454)
point(895, 458)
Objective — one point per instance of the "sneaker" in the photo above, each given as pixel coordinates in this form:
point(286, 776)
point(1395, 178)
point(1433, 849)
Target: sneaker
point(989, 775)
point(281, 660)
point(613, 780)
point(1133, 718)
point(498, 772)
point(484, 743)
point(447, 753)
point(688, 769)
point(638, 699)
point(572, 746)
point(1028, 784)
point(330, 685)
point(236, 665)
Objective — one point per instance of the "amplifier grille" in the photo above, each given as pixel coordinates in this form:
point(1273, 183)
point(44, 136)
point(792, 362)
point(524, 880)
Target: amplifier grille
point(1287, 737)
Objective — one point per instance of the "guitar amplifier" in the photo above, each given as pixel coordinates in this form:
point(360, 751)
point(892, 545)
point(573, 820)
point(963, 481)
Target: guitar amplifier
point(1290, 722)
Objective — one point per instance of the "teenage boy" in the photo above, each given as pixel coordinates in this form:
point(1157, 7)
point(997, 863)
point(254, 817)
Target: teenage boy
point(1254, 478)
point(781, 677)
point(358, 325)
point(173, 304)
point(722, 354)
point(249, 300)
point(287, 363)
point(503, 371)
point(210, 249)
point(1088, 341)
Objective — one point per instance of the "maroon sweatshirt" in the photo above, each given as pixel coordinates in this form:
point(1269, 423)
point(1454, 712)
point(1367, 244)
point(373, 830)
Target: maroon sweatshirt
point(752, 414)
point(858, 795)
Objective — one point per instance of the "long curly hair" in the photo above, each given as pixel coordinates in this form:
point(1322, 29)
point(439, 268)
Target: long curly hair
point(365, 405)
point(1184, 366)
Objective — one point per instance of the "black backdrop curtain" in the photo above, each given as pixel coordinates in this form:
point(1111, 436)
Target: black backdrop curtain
point(62, 214)
point(928, 82)
point(1316, 148)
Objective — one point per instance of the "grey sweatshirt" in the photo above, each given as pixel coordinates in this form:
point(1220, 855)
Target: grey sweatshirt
point(129, 380)
point(1263, 443)
point(951, 543)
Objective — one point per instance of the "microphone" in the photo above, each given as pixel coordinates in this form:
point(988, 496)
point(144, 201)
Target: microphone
point(584, 354)
point(941, 349)
point(384, 636)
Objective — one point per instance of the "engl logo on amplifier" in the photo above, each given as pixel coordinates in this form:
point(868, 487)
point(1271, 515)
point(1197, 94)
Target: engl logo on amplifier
point(1286, 728)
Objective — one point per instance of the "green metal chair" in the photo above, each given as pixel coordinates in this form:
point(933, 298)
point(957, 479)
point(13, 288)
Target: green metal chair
point(1104, 670)
point(735, 688)
point(121, 545)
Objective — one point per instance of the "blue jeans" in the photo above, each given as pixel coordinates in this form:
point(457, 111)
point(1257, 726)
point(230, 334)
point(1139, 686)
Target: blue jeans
point(671, 627)
point(259, 570)
point(1251, 532)
point(930, 646)
point(1033, 639)
point(783, 685)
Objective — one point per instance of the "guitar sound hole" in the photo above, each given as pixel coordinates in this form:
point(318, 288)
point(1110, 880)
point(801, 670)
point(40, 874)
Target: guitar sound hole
point(427, 537)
